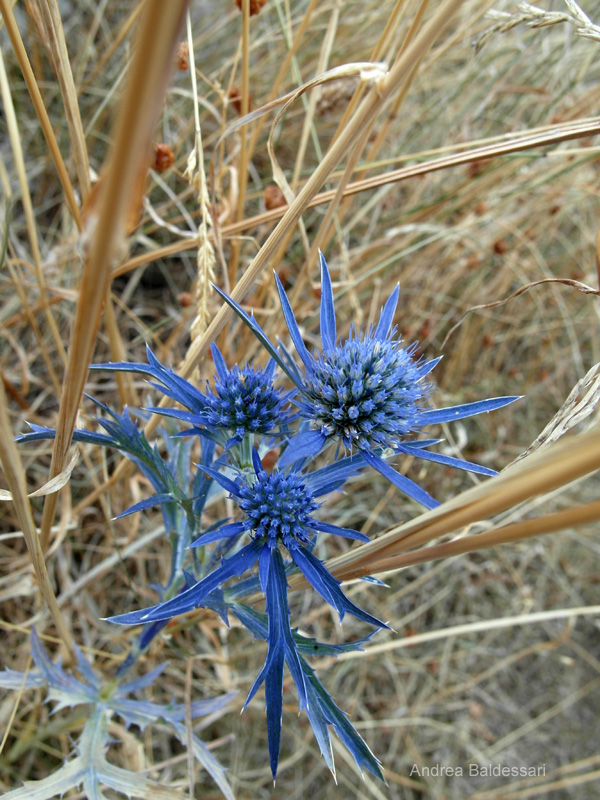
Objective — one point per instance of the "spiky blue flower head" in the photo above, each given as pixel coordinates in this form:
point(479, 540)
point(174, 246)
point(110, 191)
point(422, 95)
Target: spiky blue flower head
point(277, 512)
point(367, 392)
point(364, 391)
point(243, 401)
point(278, 507)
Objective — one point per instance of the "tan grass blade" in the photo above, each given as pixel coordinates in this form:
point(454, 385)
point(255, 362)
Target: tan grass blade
point(543, 471)
point(15, 478)
point(542, 137)
point(54, 485)
point(139, 111)
point(15, 141)
point(40, 108)
point(505, 534)
point(62, 67)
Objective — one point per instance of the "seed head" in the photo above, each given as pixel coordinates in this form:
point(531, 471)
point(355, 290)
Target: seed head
point(278, 506)
point(365, 391)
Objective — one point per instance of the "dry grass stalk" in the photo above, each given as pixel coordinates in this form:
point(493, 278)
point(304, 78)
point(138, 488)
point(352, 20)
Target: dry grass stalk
point(245, 107)
point(326, 229)
point(196, 175)
point(334, 213)
point(62, 68)
point(391, 27)
point(571, 517)
point(140, 107)
point(367, 72)
point(281, 74)
point(322, 66)
point(543, 471)
point(115, 42)
point(470, 627)
point(15, 478)
point(581, 287)
point(308, 127)
point(40, 108)
point(543, 137)
point(15, 140)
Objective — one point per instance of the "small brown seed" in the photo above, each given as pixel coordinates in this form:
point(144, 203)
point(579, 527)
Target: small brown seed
point(274, 197)
point(164, 157)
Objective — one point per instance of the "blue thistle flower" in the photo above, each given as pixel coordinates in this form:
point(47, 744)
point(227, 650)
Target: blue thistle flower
point(367, 392)
point(243, 401)
point(278, 512)
point(278, 506)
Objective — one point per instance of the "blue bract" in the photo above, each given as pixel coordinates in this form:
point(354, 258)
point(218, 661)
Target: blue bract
point(242, 401)
point(367, 392)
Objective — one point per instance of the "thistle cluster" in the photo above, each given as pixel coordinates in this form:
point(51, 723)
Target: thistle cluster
point(352, 405)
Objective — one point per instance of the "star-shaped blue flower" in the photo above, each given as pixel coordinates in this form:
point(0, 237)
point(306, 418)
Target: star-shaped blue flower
point(243, 401)
point(278, 513)
point(367, 392)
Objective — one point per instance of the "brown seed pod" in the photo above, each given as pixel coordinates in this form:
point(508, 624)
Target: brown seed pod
point(235, 99)
point(274, 197)
point(164, 157)
point(185, 299)
point(182, 60)
point(255, 6)
point(476, 167)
